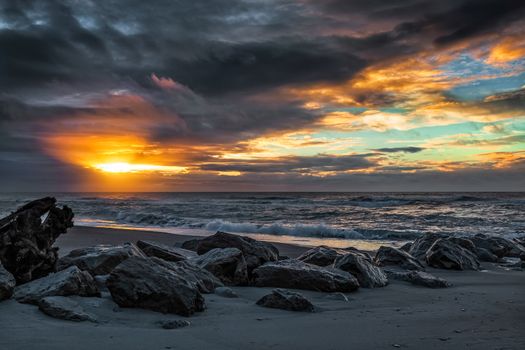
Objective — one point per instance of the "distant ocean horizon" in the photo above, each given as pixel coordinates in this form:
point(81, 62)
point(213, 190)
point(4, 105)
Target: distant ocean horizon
point(308, 218)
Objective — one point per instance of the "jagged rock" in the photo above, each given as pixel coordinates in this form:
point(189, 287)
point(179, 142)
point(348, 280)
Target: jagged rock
point(368, 275)
point(299, 275)
point(71, 281)
point(150, 283)
point(64, 308)
point(390, 256)
point(361, 253)
point(321, 256)
point(419, 278)
point(99, 259)
point(446, 254)
point(27, 236)
point(165, 252)
point(255, 253)
point(191, 244)
point(204, 280)
point(419, 247)
point(227, 264)
point(173, 324)
point(225, 292)
point(406, 247)
point(7, 283)
point(498, 246)
point(286, 300)
point(481, 253)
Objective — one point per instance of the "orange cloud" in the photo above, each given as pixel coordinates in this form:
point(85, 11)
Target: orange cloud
point(167, 83)
point(507, 50)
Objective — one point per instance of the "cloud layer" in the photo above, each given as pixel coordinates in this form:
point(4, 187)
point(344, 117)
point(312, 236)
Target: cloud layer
point(272, 95)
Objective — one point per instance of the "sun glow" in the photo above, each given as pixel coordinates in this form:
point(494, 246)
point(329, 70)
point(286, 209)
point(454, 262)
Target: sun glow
point(122, 167)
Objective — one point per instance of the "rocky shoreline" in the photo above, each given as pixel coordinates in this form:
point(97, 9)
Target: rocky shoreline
point(170, 279)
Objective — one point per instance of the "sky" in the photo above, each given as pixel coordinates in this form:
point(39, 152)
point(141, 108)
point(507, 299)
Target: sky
point(273, 95)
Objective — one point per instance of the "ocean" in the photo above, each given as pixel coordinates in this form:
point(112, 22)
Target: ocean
point(335, 219)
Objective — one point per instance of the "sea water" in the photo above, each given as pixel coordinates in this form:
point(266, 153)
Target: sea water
point(336, 219)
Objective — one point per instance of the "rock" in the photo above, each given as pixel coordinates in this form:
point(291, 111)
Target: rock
point(337, 296)
point(227, 264)
point(419, 278)
point(406, 247)
point(481, 253)
point(286, 300)
point(390, 256)
point(485, 255)
point(368, 275)
point(255, 253)
point(225, 292)
point(321, 256)
point(419, 247)
point(100, 259)
point(446, 254)
point(64, 308)
point(7, 283)
point(27, 237)
point(101, 281)
point(362, 254)
point(204, 280)
point(71, 281)
point(498, 246)
point(191, 244)
point(165, 252)
point(150, 283)
point(299, 275)
point(173, 324)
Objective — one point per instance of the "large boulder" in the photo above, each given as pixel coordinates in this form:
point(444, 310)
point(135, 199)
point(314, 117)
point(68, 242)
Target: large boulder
point(27, 237)
point(256, 253)
point(368, 275)
point(419, 278)
point(390, 256)
point(7, 283)
point(286, 300)
point(227, 264)
point(498, 246)
point(165, 252)
point(64, 308)
point(191, 244)
point(481, 253)
point(99, 259)
point(446, 254)
point(204, 280)
point(321, 256)
point(71, 281)
point(299, 275)
point(149, 283)
point(419, 247)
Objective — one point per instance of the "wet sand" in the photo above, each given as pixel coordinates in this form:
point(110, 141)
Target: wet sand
point(483, 310)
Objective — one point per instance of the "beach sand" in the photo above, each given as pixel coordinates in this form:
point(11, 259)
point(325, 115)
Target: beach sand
point(483, 310)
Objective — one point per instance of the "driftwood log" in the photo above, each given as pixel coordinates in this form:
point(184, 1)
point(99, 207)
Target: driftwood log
point(27, 237)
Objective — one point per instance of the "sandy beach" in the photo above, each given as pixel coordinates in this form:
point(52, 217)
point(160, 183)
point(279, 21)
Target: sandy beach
point(482, 310)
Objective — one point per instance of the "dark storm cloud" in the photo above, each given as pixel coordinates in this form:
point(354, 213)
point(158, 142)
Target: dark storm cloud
point(226, 46)
point(296, 164)
point(442, 22)
point(400, 149)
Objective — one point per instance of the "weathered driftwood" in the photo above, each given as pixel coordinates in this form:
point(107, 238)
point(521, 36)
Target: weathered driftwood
point(27, 236)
